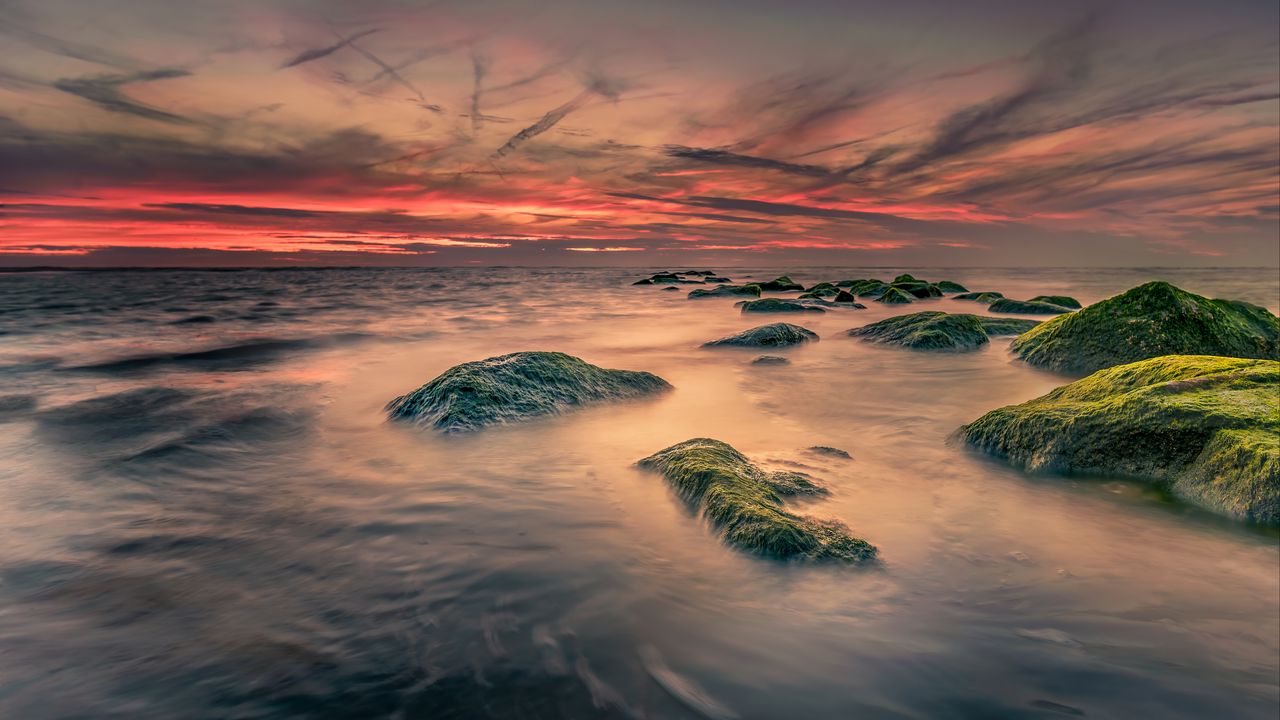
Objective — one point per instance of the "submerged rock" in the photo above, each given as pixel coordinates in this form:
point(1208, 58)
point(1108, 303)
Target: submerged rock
point(830, 451)
point(726, 291)
point(781, 284)
point(672, 288)
point(1148, 321)
point(905, 277)
point(939, 331)
point(774, 305)
point(1027, 307)
point(515, 387)
point(1065, 301)
point(774, 335)
point(770, 360)
point(1202, 427)
point(895, 296)
point(745, 503)
point(714, 279)
point(982, 297)
point(947, 286)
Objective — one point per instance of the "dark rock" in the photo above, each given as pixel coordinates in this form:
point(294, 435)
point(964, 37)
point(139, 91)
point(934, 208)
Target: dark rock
point(982, 297)
point(1060, 300)
point(781, 284)
point(830, 451)
point(1027, 307)
point(939, 331)
point(947, 286)
point(770, 360)
point(727, 291)
point(895, 296)
point(774, 335)
point(774, 305)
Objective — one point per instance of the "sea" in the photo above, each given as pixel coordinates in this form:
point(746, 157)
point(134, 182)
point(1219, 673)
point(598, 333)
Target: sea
point(205, 513)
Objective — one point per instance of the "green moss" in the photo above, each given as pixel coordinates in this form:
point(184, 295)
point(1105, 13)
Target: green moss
point(1065, 301)
point(745, 503)
point(1027, 307)
point(895, 296)
point(904, 278)
point(822, 286)
point(514, 387)
point(947, 286)
point(939, 331)
point(774, 305)
point(726, 291)
point(869, 288)
point(781, 284)
point(773, 335)
point(1206, 428)
point(982, 297)
point(1148, 321)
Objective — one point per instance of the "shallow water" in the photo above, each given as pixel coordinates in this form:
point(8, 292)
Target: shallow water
point(206, 515)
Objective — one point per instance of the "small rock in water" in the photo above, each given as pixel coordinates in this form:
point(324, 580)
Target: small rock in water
point(771, 360)
point(774, 335)
point(832, 451)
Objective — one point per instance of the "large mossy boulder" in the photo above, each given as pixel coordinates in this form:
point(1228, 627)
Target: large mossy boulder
point(774, 305)
point(515, 387)
point(1065, 301)
point(781, 283)
point(1148, 321)
point(939, 331)
point(1204, 428)
point(774, 335)
point(895, 296)
point(1027, 307)
point(726, 291)
point(983, 297)
point(746, 503)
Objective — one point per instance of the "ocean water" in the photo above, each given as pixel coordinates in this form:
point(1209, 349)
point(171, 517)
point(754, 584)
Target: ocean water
point(205, 514)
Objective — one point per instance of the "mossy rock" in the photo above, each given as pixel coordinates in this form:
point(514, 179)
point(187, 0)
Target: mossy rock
point(745, 504)
point(1065, 301)
point(934, 330)
point(1027, 307)
point(781, 284)
point(896, 296)
point(714, 279)
point(774, 305)
point(846, 297)
point(903, 278)
point(726, 291)
point(918, 289)
point(1148, 321)
point(869, 288)
point(822, 286)
point(515, 387)
point(671, 288)
point(982, 297)
point(773, 335)
point(1204, 428)
point(947, 286)
point(770, 360)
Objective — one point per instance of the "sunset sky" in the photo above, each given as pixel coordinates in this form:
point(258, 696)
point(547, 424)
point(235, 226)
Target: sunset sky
point(709, 132)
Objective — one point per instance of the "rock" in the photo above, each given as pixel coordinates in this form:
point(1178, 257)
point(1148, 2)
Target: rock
point(1148, 321)
point(643, 281)
point(774, 305)
point(666, 278)
point(844, 296)
point(781, 284)
point(726, 291)
point(714, 279)
point(822, 286)
point(830, 451)
point(770, 360)
point(895, 296)
point(1027, 307)
point(1201, 427)
point(515, 387)
point(1060, 300)
point(982, 297)
point(671, 288)
point(745, 503)
point(774, 335)
point(904, 278)
point(947, 286)
point(939, 331)
point(707, 273)
point(869, 288)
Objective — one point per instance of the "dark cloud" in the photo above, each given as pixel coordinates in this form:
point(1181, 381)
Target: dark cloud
point(307, 56)
point(105, 92)
point(724, 157)
point(235, 209)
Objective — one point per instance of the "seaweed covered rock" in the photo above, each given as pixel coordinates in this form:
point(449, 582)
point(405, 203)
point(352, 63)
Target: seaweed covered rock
point(515, 387)
point(847, 298)
point(939, 331)
point(947, 286)
point(1065, 301)
point(905, 277)
point(822, 287)
point(714, 279)
point(774, 305)
point(1027, 307)
point(781, 284)
point(1204, 428)
point(669, 278)
point(726, 291)
point(1148, 321)
point(770, 360)
point(745, 503)
point(982, 297)
point(774, 335)
point(895, 296)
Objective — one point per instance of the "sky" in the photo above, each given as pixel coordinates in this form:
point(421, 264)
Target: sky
point(643, 133)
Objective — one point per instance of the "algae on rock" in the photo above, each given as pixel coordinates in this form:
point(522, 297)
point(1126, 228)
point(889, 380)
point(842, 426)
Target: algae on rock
point(1148, 321)
point(745, 503)
point(933, 330)
point(514, 387)
point(772, 335)
point(1205, 428)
